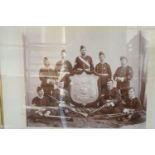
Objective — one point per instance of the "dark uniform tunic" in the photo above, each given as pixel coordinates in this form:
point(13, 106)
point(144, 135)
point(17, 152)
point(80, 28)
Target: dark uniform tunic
point(136, 105)
point(39, 115)
point(63, 69)
point(133, 104)
point(44, 75)
point(111, 95)
point(127, 74)
point(41, 101)
point(81, 65)
point(103, 69)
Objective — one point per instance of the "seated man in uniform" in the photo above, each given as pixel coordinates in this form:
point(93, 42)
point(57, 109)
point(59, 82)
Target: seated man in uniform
point(122, 76)
point(46, 75)
point(40, 99)
point(132, 106)
point(110, 98)
point(63, 68)
point(41, 111)
point(83, 62)
point(104, 70)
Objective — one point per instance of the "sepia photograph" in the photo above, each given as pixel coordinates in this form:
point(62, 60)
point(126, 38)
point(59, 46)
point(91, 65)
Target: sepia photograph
point(85, 77)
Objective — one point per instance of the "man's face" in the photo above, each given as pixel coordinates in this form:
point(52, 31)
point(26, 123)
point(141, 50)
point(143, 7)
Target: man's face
point(131, 93)
point(102, 58)
point(41, 93)
point(83, 51)
point(123, 62)
point(63, 55)
point(46, 63)
point(109, 85)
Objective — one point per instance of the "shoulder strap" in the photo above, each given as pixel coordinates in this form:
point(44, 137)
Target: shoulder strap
point(84, 61)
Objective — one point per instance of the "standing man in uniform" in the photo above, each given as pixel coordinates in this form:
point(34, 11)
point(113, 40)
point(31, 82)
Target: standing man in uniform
point(123, 76)
point(63, 65)
point(83, 62)
point(63, 68)
point(46, 76)
point(104, 70)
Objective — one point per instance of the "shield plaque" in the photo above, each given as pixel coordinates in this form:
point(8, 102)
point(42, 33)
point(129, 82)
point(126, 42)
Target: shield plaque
point(84, 88)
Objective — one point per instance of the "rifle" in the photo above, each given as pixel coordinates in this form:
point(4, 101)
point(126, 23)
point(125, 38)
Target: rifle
point(41, 107)
point(48, 116)
point(125, 114)
point(59, 117)
point(116, 115)
point(69, 107)
point(99, 109)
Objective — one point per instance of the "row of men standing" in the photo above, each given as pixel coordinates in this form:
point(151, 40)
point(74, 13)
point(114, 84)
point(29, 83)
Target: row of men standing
point(122, 75)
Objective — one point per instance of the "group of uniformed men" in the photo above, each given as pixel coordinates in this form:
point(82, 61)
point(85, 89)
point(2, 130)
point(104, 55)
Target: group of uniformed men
point(54, 83)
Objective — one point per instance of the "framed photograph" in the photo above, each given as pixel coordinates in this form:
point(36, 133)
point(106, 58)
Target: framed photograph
point(85, 77)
